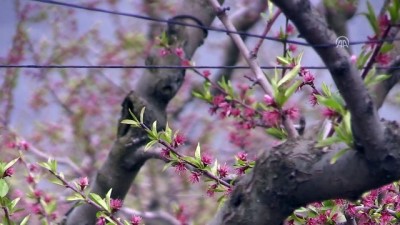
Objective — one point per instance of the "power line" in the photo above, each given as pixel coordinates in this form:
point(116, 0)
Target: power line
point(208, 27)
point(31, 66)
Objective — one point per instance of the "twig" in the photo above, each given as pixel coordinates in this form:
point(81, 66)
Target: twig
point(371, 60)
point(251, 61)
point(270, 22)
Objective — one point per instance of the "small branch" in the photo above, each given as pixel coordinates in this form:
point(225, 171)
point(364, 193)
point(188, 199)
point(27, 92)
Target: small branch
point(251, 61)
point(375, 53)
point(270, 22)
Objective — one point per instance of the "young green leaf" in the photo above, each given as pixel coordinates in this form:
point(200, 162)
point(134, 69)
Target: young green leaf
point(338, 155)
point(150, 144)
point(142, 114)
point(3, 188)
point(98, 200)
point(75, 197)
point(290, 75)
point(11, 163)
point(130, 122)
point(25, 220)
point(197, 153)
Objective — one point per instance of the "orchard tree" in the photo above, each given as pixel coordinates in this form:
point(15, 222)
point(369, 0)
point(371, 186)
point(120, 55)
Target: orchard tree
point(244, 144)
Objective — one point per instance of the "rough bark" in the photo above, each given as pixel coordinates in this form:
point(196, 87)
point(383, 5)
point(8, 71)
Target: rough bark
point(297, 173)
point(154, 90)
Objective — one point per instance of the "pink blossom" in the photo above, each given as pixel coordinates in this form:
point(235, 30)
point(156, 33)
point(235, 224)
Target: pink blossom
point(101, 221)
point(115, 204)
point(179, 52)
point(178, 140)
point(37, 193)
point(163, 52)
point(242, 156)
point(383, 58)
point(9, 172)
point(353, 59)
point(206, 73)
point(180, 167)
point(136, 220)
point(30, 179)
point(308, 78)
point(249, 112)
point(235, 112)
point(165, 152)
point(222, 171)
point(206, 159)
point(290, 30)
point(217, 100)
point(384, 22)
point(194, 177)
point(271, 117)
point(36, 209)
point(241, 170)
point(329, 113)
point(211, 190)
point(186, 62)
point(313, 99)
point(293, 113)
point(292, 48)
point(269, 100)
point(83, 183)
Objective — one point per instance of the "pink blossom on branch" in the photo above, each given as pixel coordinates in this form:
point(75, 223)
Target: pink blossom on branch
point(136, 220)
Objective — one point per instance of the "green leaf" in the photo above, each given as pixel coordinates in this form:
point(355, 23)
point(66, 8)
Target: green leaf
point(98, 200)
point(214, 169)
point(130, 122)
point(3, 188)
point(292, 89)
point(277, 133)
point(154, 129)
point(75, 197)
point(108, 200)
point(331, 103)
point(192, 160)
point(11, 163)
point(362, 59)
point(150, 144)
point(57, 181)
point(133, 115)
point(326, 90)
point(45, 165)
point(142, 114)
point(327, 141)
point(53, 165)
point(370, 76)
point(282, 60)
point(386, 47)
point(25, 220)
point(197, 153)
point(166, 166)
point(12, 204)
point(373, 21)
point(338, 155)
point(290, 75)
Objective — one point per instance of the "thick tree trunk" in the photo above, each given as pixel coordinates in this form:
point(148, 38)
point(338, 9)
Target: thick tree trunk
point(154, 90)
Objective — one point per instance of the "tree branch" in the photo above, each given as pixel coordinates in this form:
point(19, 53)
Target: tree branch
point(251, 61)
point(155, 89)
point(347, 79)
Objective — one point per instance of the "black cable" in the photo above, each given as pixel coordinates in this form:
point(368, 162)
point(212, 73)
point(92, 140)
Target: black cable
point(209, 28)
point(31, 66)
